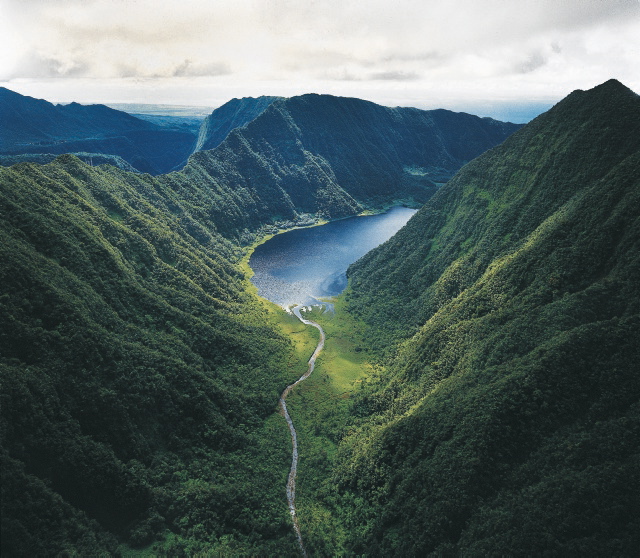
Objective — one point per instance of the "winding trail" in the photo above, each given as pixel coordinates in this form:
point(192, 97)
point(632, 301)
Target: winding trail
point(291, 482)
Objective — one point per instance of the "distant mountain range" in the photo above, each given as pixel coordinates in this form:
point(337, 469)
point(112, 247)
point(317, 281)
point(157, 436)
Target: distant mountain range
point(153, 145)
point(35, 126)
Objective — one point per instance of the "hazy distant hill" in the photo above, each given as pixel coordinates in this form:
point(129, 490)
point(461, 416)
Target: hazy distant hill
point(509, 421)
point(233, 114)
point(29, 125)
point(25, 120)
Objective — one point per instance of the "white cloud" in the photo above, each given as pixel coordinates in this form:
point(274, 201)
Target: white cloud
point(397, 51)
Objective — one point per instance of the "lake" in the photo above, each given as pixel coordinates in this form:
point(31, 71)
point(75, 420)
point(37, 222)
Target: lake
point(302, 265)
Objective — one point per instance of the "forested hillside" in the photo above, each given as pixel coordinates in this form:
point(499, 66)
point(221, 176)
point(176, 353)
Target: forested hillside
point(137, 375)
point(334, 156)
point(508, 420)
point(140, 379)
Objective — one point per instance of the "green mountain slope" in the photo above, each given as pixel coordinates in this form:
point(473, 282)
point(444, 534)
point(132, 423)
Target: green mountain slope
point(509, 420)
point(138, 378)
point(136, 373)
point(334, 156)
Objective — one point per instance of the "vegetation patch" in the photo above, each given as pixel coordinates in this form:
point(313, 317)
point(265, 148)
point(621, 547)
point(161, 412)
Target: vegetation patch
point(320, 409)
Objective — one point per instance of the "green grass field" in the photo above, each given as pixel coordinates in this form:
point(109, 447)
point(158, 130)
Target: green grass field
point(319, 408)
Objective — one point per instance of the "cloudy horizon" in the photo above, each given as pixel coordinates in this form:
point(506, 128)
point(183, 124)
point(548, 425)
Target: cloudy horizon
point(459, 54)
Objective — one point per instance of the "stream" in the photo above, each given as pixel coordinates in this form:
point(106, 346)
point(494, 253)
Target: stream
point(291, 482)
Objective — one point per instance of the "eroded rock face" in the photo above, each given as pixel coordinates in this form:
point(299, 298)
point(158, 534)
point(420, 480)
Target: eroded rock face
point(233, 114)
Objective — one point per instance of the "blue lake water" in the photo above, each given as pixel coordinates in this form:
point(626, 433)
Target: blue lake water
point(301, 265)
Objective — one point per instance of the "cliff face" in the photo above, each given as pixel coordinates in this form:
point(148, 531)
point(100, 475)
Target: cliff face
point(509, 417)
point(234, 114)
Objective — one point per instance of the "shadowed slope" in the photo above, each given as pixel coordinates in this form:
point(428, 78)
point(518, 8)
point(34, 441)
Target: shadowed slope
point(34, 126)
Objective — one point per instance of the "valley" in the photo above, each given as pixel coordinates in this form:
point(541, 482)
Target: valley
point(477, 391)
point(291, 480)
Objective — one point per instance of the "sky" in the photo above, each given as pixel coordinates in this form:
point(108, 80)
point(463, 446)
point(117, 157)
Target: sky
point(498, 58)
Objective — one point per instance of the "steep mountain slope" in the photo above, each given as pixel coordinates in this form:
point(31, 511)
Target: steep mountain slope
point(509, 420)
point(233, 114)
point(334, 156)
point(34, 126)
point(136, 373)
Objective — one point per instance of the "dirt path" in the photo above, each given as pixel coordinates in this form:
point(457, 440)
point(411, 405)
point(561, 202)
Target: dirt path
point(291, 482)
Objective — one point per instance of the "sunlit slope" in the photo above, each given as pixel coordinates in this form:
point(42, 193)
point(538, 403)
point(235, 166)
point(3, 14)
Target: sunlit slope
point(509, 421)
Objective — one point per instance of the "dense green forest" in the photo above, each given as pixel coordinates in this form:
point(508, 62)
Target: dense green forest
point(508, 420)
point(496, 339)
point(139, 377)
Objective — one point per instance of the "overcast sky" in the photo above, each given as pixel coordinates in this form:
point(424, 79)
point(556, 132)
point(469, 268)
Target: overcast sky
point(457, 54)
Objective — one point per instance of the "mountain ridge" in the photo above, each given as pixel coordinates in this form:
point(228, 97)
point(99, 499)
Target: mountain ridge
point(233, 114)
point(69, 121)
point(36, 126)
point(573, 108)
point(318, 154)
